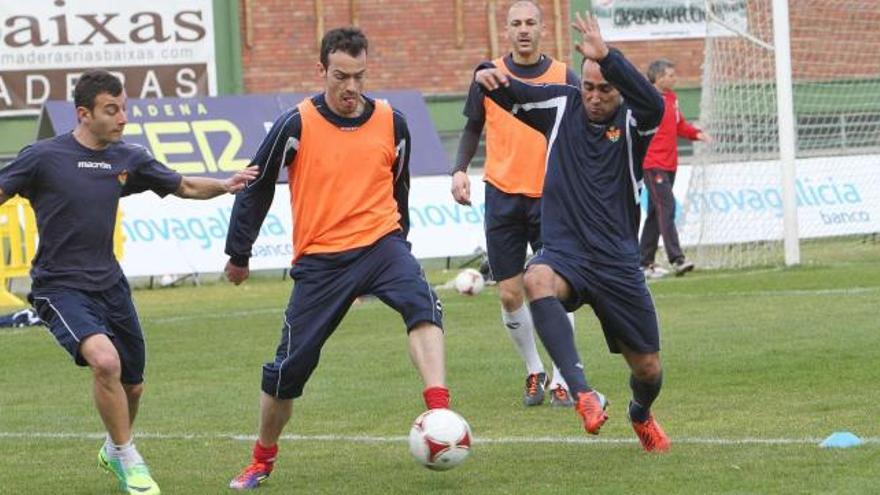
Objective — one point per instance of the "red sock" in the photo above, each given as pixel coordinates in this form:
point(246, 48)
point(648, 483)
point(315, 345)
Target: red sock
point(436, 397)
point(265, 455)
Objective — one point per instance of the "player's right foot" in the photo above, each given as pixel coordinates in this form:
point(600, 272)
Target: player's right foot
point(534, 392)
point(591, 406)
point(651, 435)
point(135, 480)
point(254, 475)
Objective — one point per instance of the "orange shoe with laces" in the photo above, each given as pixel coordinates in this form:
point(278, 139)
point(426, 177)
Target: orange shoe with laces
point(252, 476)
point(591, 406)
point(651, 435)
point(534, 392)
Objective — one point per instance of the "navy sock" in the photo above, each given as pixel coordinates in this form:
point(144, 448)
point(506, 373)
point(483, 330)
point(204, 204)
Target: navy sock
point(554, 329)
point(644, 394)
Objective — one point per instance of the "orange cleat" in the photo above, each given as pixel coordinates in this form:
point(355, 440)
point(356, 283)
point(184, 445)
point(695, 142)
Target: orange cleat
point(651, 435)
point(254, 475)
point(591, 406)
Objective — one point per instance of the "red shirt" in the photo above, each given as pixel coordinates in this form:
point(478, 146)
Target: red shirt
point(663, 150)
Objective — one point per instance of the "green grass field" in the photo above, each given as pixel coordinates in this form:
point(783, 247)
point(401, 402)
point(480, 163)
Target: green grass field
point(760, 366)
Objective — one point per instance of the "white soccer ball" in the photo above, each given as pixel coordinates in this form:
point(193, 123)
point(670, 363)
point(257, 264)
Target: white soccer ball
point(440, 439)
point(469, 282)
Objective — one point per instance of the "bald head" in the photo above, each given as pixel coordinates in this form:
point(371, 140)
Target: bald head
point(533, 8)
point(524, 30)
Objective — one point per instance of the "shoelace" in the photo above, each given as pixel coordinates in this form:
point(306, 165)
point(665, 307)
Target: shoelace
point(648, 437)
point(589, 406)
point(532, 384)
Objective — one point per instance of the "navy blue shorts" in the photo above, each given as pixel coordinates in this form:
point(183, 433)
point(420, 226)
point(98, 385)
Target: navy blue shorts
point(618, 295)
point(513, 221)
point(326, 285)
point(74, 314)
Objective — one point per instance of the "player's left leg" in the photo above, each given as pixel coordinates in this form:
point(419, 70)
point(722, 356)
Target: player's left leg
point(121, 316)
point(624, 306)
point(427, 351)
point(645, 380)
point(397, 279)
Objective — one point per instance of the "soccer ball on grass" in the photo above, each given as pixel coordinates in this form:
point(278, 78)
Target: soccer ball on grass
point(440, 439)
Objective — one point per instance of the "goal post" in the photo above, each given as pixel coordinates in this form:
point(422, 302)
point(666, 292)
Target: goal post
point(791, 97)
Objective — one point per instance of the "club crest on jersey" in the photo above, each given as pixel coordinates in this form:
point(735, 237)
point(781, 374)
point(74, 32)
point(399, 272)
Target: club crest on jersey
point(122, 177)
point(613, 134)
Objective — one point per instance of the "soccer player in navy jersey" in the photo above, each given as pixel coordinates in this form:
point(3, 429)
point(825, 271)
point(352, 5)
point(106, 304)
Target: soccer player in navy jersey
point(514, 177)
point(74, 182)
point(597, 137)
point(348, 172)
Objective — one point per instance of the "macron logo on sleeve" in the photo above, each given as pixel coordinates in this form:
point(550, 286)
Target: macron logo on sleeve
point(100, 165)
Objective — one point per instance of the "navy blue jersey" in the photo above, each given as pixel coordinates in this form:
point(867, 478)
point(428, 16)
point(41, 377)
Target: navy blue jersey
point(473, 107)
point(594, 170)
point(75, 194)
point(279, 148)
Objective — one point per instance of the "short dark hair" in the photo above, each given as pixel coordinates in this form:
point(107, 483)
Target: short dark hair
point(350, 40)
point(658, 68)
point(93, 83)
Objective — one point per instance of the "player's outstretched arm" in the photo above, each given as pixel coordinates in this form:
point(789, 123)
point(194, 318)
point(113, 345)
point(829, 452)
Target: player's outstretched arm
point(206, 187)
point(536, 105)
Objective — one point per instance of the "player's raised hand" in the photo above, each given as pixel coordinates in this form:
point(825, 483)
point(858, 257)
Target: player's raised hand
point(491, 78)
point(592, 46)
point(240, 179)
point(461, 188)
point(236, 274)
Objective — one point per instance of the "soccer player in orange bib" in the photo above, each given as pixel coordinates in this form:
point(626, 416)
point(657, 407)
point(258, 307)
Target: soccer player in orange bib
point(347, 157)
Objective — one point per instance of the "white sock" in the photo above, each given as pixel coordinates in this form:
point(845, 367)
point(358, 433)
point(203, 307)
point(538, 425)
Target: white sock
point(126, 453)
point(559, 380)
point(522, 333)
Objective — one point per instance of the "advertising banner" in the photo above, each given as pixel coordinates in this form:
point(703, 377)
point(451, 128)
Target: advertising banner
point(734, 203)
point(638, 20)
point(159, 49)
point(742, 202)
point(176, 236)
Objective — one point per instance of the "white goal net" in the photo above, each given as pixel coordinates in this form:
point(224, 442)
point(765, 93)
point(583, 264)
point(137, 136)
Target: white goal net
point(732, 214)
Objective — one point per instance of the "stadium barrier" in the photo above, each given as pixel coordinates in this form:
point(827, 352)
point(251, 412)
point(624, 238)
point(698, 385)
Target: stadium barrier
point(18, 245)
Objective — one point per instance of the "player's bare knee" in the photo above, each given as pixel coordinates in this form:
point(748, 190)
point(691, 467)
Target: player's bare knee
point(538, 282)
point(511, 295)
point(134, 391)
point(648, 371)
point(105, 365)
